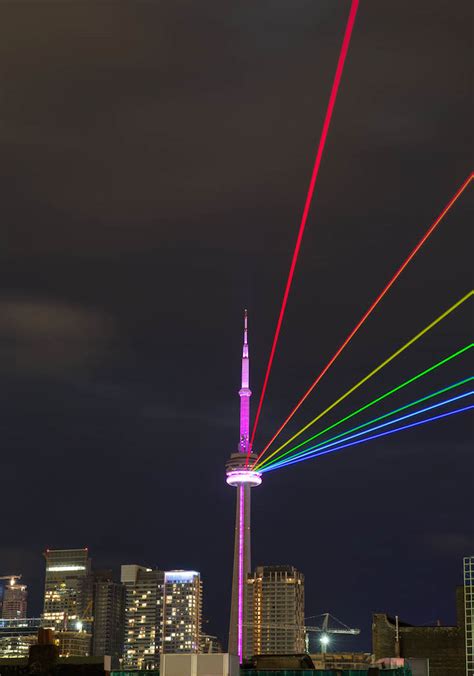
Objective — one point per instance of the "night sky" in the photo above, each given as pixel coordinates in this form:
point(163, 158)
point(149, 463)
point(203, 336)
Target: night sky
point(155, 158)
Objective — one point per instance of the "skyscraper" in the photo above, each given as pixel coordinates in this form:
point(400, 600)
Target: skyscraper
point(143, 616)
point(241, 476)
point(469, 612)
point(14, 598)
point(67, 594)
point(68, 599)
point(182, 612)
point(275, 611)
point(109, 616)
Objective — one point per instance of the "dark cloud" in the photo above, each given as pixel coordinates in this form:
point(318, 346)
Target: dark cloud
point(50, 338)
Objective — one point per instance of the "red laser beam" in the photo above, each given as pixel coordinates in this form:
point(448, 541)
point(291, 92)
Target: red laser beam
point(309, 197)
point(371, 308)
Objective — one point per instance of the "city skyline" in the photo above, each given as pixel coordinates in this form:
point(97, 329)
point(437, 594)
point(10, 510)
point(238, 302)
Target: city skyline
point(155, 168)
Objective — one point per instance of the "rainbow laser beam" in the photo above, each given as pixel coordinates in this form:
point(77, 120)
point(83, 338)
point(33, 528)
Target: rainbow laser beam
point(346, 436)
point(377, 436)
point(370, 404)
point(404, 347)
point(309, 198)
point(374, 420)
point(433, 226)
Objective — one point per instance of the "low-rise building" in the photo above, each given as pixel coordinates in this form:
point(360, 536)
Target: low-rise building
point(443, 646)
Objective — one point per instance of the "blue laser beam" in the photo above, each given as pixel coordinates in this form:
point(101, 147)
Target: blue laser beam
point(323, 451)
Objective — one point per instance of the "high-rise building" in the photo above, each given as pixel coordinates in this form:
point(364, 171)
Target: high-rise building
point(469, 612)
point(14, 598)
point(275, 611)
point(109, 615)
point(68, 599)
point(182, 612)
point(241, 475)
point(143, 616)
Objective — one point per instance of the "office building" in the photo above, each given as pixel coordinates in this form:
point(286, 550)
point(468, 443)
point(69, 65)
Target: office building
point(182, 612)
point(275, 611)
point(68, 599)
point(143, 616)
point(17, 635)
point(109, 616)
point(469, 612)
point(14, 598)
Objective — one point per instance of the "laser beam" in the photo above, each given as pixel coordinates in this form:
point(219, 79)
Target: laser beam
point(317, 163)
point(373, 372)
point(366, 424)
point(346, 436)
point(381, 434)
point(430, 230)
point(440, 363)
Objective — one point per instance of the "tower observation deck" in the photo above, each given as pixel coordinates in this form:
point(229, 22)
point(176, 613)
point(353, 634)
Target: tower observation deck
point(240, 476)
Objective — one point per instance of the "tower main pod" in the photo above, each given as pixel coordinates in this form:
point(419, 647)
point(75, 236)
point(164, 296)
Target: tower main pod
point(243, 478)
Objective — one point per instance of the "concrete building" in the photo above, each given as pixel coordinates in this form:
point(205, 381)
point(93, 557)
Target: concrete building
point(182, 612)
point(14, 597)
point(442, 646)
point(109, 616)
point(143, 616)
point(275, 611)
point(200, 665)
point(68, 599)
point(469, 612)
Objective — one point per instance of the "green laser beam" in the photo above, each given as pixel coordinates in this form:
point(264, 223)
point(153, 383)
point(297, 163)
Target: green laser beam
point(368, 405)
point(374, 420)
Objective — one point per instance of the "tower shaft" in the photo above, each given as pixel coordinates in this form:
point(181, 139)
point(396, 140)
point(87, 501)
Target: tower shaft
point(242, 566)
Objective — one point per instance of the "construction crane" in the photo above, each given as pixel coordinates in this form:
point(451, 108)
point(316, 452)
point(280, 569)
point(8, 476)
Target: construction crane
point(12, 579)
point(325, 630)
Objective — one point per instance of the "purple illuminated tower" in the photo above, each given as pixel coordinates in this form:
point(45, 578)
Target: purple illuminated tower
point(243, 478)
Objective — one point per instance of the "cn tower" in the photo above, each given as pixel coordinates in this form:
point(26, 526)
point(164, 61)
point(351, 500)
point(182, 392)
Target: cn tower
point(243, 478)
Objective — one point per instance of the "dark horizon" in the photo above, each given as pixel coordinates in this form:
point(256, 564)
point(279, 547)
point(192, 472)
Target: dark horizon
point(155, 164)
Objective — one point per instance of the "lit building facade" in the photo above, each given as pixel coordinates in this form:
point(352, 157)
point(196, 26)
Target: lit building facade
point(143, 616)
point(275, 611)
point(182, 612)
point(14, 598)
point(68, 599)
point(109, 616)
point(469, 612)
point(17, 635)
